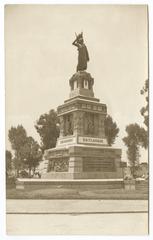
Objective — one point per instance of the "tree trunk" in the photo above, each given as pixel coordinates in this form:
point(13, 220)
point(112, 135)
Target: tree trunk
point(17, 172)
point(132, 170)
point(30, 172)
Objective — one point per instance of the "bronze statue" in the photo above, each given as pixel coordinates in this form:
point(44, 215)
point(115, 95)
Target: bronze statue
point(83, 56)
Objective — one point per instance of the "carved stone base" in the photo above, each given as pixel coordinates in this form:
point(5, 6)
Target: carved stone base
point(81, 83)
point(83, 162)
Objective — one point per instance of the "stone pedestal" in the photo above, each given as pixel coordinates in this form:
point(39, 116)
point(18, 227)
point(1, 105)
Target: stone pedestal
point(84, 162)
point(82, 151)
point(129, 184)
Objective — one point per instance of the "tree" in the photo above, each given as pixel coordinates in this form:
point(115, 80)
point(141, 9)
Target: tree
point(134, 139)
point(17, 137)
point(31, 154)
point(111, 130)
point(48, 130)
point(8, 158)
point(144, 110)
point(27, 150)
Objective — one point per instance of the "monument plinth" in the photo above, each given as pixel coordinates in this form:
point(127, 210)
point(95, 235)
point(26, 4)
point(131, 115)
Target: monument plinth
point(82, 151)
point(82, 157)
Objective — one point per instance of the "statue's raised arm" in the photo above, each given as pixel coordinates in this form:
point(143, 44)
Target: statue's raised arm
point(83, 56)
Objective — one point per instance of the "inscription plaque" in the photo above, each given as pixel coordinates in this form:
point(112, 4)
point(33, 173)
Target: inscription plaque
point(98, 165)
point(91, 140)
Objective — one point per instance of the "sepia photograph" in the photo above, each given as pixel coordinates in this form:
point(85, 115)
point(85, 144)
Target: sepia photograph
point(77, 119)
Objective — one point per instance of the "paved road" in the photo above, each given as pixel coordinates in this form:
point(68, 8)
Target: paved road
point(76, 206)
point(72, 217)
point(71, 224)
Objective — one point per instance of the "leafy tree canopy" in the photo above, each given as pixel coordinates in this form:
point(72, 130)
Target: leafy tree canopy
point(111, 130)
point(8, 157)
point(144, 110)
point(135, 134)
point(47, 127)
point(136, 137)
point(17, 137)
point(27, 150)
point(31, 153)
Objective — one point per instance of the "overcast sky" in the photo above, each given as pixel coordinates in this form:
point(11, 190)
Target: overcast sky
point(40, 60)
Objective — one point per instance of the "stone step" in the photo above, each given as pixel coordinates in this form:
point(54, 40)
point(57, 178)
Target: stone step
point(70, 184)
point(143, 185)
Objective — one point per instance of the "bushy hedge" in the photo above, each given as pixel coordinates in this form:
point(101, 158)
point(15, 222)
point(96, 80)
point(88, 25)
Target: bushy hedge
point(11, 181)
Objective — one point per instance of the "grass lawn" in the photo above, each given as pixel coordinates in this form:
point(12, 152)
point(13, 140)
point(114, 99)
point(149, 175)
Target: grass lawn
point(67, 193)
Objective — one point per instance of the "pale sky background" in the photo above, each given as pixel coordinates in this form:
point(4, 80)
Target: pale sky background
point(40, 60)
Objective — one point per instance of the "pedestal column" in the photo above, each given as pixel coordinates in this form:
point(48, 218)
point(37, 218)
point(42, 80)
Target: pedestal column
point(101, 126)
point(61, 126)
point(75, 162)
